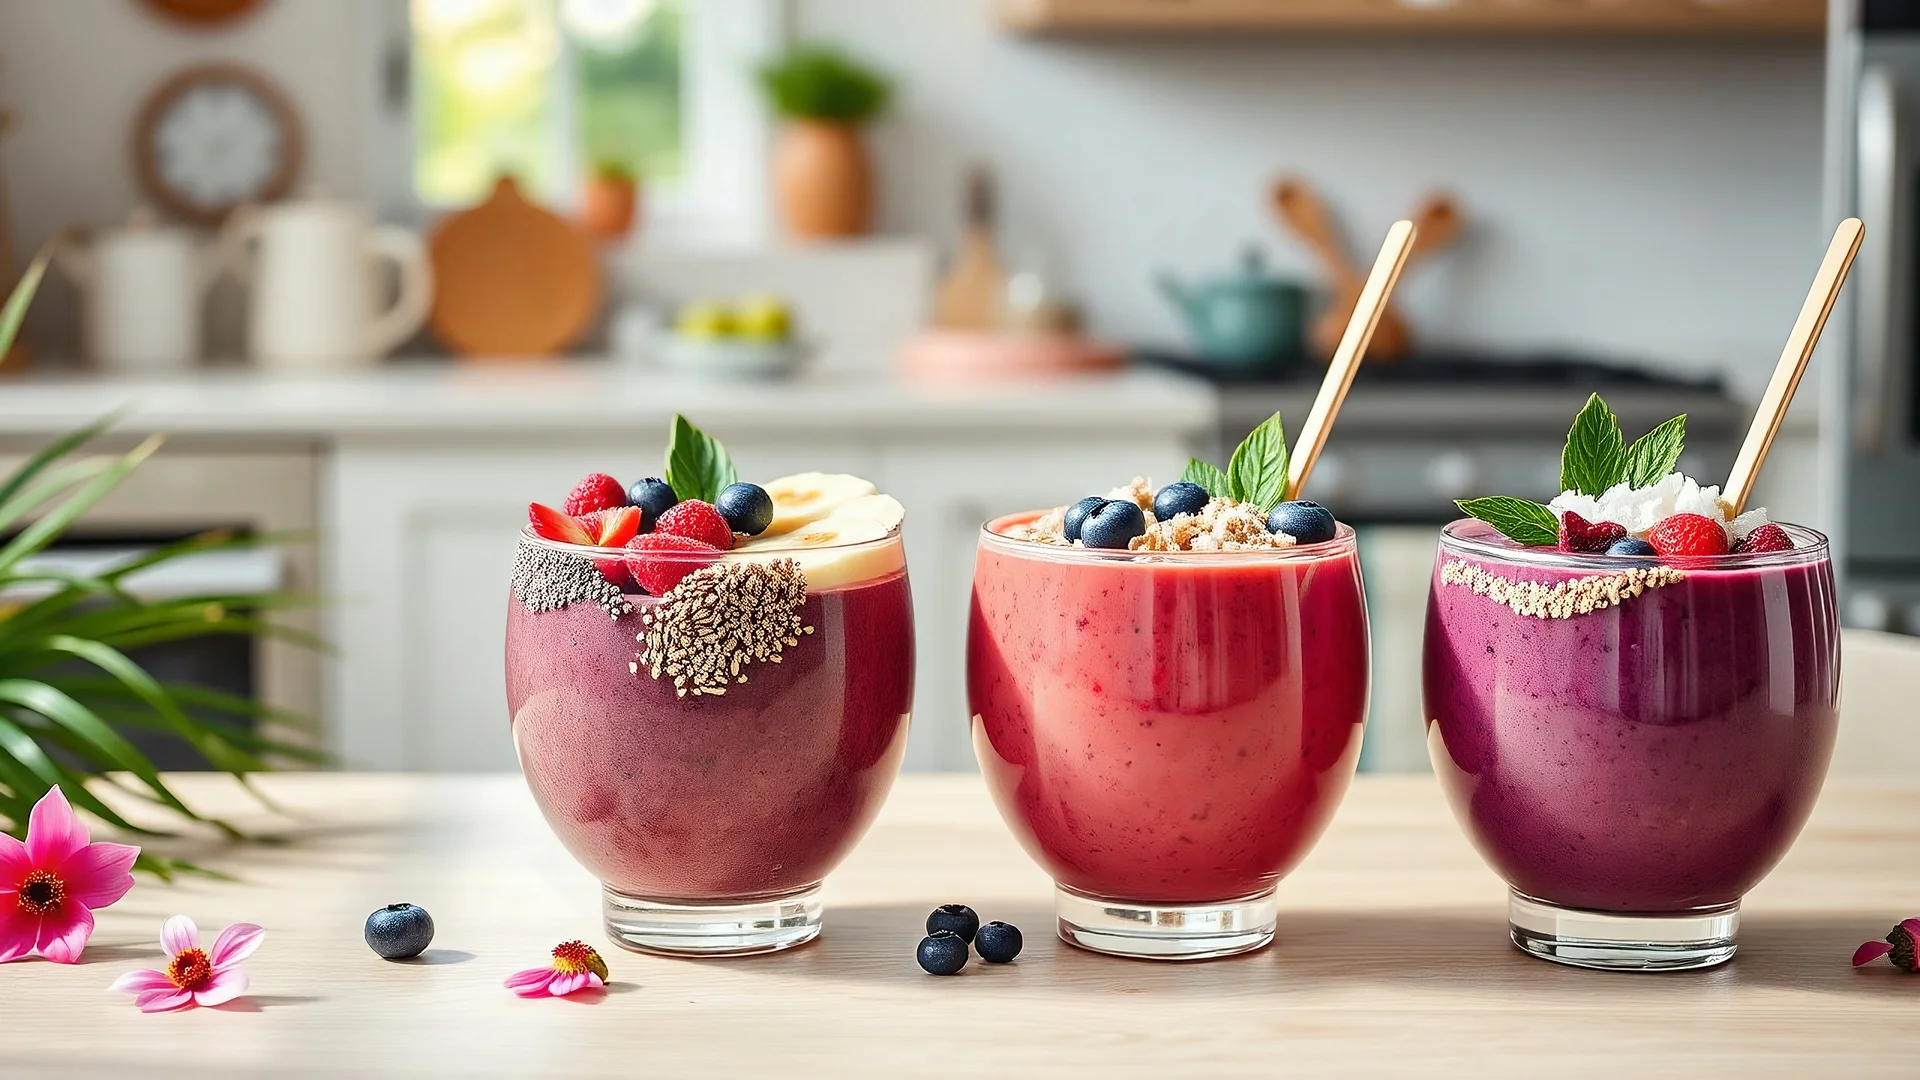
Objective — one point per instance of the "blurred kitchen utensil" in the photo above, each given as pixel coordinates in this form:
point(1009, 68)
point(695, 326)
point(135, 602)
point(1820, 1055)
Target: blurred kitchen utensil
point(312, 266)
point(969, 297)
point(514, 279)
point(731, 358)
point(964, 355)
point(1247, 318)
point(142, 288)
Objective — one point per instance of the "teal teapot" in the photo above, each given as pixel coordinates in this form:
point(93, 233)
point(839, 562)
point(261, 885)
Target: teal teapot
point(1244, 319)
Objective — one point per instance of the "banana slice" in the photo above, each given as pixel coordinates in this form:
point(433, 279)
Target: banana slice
point(833, 551)
point(884, 509)
point(807, 497)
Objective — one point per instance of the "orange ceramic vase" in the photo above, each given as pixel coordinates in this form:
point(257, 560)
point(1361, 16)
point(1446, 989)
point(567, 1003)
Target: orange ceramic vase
point(823, 180)
point(609, 206)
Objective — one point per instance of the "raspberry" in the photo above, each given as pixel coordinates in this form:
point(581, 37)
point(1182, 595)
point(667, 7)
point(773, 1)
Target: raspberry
point(612, 528)
point(1680, 535)
point(658, 560)
point(597, 492)
point(1579, 534)
point(1768, 537)
point(555, 525)
point(696, 520)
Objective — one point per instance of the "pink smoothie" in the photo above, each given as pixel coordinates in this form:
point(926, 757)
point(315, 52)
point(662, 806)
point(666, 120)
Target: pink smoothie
point(1167, 729)
point(755, 793)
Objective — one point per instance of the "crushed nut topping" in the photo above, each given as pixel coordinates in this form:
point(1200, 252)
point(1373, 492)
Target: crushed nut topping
point(1579, 596)
point(707, 630)
point(1221, 525)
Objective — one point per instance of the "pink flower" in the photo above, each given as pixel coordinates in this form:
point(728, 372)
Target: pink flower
point(50, 884)
point(1902, 947)
point(575, 967)
point(193, 976)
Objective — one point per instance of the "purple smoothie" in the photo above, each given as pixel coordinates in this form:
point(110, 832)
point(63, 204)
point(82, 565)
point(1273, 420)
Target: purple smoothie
point(1655, 756)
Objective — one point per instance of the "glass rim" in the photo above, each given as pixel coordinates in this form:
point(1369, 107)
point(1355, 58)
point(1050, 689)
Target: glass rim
point(1343, 542)
point(527, 535)
point(1809, 546)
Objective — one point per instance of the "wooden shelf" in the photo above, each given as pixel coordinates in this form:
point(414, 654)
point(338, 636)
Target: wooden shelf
point(1805, 19)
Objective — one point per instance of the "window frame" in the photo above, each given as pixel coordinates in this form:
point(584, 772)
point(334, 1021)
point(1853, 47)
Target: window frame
point(723, 202)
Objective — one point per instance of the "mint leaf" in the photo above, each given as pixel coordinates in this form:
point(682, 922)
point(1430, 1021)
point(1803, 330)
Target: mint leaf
point(1522, 521)
point(1258, 472)
point(1215, 481)
point(1654, 454)
point(697, 465)
point(1596, 455)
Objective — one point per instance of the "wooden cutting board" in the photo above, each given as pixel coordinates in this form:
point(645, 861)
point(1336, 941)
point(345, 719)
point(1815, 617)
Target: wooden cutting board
point(512, 279)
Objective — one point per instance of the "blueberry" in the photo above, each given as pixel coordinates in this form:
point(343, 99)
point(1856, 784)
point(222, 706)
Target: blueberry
point(1307, 522)
point(747, 507)
point(1077, 514)
point(1181, 498)
point(399, 931)
point(654, 497)
point(957, 919)
point(1112, 524)
point(1630, 545)
point(998, 943)
point(942, 953)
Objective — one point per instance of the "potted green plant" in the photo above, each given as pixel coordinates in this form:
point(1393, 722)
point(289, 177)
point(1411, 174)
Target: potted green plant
point(822, 176)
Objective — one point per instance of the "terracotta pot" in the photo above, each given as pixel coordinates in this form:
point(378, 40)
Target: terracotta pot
point(609, 206)
point(822, 180)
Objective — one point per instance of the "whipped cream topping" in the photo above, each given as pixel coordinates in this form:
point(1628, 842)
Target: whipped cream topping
point(1638, 510)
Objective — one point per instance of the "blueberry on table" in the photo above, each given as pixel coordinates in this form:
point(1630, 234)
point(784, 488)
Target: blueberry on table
point(957, 919)
point(1630, 545)
point(1113, 524)
point(1077, 514)
point(998, 942)
point(942, 953)
point(399, 931)
point(1307, 522)
point(747, 507)
point(1184, 497)
point(654, 497)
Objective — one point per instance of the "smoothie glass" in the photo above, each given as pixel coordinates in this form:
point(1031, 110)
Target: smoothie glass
point(1631, 771)
point(1167, 733)
point(712, 818)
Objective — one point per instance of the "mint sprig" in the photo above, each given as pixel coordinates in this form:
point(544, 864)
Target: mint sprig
point(1257, 472)
point(1213, 480)
point(1654, 454)
point(1522, 521)
point(698, 467)
point(1596, 455)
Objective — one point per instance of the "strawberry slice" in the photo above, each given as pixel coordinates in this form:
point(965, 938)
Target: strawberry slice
point(1579, 534)
point(555, 525)
point(612, 528)
point(658, 561)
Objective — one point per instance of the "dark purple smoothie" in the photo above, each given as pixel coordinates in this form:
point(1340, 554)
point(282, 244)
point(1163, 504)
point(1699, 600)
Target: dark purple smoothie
point(1658, 755)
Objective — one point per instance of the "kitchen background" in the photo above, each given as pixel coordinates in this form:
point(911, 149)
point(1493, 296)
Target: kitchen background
point(1644, 183)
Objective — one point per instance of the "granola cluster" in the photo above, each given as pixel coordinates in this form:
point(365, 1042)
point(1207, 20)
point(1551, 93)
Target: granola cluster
point(1221, 525)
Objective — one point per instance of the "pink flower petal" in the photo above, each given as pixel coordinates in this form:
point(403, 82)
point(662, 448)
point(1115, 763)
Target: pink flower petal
point(18, 931)
point(594, 982)
point(1911, 926)
point(178, 935)
point(63, 933)
point(566, 983)
point(99, 874)
point(222, 988)
point(53, 831)
point(1871, 951)
point(136, 982)
point(163, 1000)
point(531, 982)
point(15, 864)
point(235, 944)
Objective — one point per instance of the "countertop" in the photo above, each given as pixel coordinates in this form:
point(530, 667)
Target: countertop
point(1391, 960)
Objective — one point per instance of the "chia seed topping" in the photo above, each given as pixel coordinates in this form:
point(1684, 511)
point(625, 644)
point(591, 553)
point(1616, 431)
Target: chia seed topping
point(1579, 596)
point(707, 630)
point(547, 580)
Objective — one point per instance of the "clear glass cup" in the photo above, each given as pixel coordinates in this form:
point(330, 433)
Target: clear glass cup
point(1632, 771)
point(711, 818)
point(1167, 734)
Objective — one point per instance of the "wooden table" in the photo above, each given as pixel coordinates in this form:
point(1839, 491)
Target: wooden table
point(1391, 960)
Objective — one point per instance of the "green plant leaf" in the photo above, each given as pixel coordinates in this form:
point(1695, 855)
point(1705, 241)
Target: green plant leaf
point(107, 745)
point(21, 748)
point(1596, 455)
point(816, 83)
point(55, 521)
point(50, 453)
point(1215, 481)
point(1258, 472)
point(15, 312)
point(134, 678)
point(1655, 454)
point(697, 465)
point(1522, 521)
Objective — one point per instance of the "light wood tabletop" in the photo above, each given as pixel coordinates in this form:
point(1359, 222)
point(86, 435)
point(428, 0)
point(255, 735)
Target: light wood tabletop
point(1391, 960)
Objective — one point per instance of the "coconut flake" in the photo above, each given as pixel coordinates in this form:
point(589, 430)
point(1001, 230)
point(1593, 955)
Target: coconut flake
point(1638, 510)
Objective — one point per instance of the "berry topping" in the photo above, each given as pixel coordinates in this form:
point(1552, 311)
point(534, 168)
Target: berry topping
point(998, 942)
point(1579, 534)
point(555, 525)
point(1681, 535)
point(1184, 497)
point(942, 953)
point(399, 931)
point(957, 919)
point(612, 528)
point(1307, 522)
point(1077, 515)
point(1112, 524)
point(654, 497)
point(1631, 545)
point(747, 507)
point(658, 561)
point(597, 492)
point(696, 520)
point(1768, 537)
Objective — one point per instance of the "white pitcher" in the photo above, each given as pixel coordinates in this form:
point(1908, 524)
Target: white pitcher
point(143, 289)
point(312, 267)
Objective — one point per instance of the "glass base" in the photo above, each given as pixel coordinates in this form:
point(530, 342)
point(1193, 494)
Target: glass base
point(1610, 941)
point(1164, 931)
point(744, 929)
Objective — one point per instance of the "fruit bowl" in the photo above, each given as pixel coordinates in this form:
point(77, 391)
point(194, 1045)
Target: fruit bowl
point(733, 357)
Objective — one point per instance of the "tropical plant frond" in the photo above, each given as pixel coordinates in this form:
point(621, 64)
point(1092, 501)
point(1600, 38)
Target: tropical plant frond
point(55, 522)
point(30, 772)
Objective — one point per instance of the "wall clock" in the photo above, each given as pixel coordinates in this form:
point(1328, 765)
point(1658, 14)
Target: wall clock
point(215, 136)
